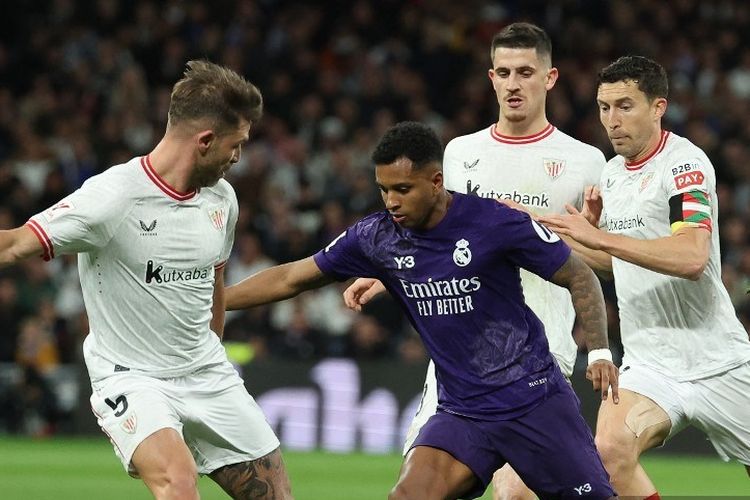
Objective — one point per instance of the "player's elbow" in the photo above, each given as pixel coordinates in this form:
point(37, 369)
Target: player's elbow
point(695, 273)
point(694, 269)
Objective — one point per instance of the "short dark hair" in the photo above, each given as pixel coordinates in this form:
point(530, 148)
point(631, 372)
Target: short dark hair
point(648, 74)
point(523, 36)
point(213, 92)
point(412, 140)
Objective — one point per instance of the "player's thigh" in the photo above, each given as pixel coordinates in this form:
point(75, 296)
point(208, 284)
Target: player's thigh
point(263, 478)
point(429, 472)
point(474, 457)
point(223, 425)
point(633, 425)
point(722, 411)
point(651, 408)
point(427, 407)
point(129, 408)
point(162, 457)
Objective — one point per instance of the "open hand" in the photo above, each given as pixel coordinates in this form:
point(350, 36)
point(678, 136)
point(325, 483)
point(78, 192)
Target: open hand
point(574, 225)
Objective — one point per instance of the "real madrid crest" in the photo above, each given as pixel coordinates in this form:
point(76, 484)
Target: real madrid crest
point(462, 254)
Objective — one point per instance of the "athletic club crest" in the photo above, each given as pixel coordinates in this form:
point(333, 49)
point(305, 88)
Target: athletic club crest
point(217, 216)
point(462, 254)
point(554, 167)
point(130, 424)
point(646, 180)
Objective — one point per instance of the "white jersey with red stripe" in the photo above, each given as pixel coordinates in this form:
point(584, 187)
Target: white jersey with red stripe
point(147, 255)
point(682, 328)
point(543, 172)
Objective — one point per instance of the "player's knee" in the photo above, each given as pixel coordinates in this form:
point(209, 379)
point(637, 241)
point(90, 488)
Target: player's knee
point(399, 492)
point(179, 483)
point(506, 485)
point(618, 453)
point(405, 492)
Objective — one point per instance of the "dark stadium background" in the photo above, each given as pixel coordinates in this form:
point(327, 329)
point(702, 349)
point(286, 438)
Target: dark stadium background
point(85, 84)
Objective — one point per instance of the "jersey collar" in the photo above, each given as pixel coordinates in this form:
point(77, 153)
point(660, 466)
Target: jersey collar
point(521, 139)
point(162, 184)
point(635, 165)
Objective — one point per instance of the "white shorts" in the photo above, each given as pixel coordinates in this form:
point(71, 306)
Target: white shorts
point(219, 421)
point(718, 405)
point(427, 407)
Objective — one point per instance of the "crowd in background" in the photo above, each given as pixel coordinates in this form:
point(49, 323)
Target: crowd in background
point(85, 85)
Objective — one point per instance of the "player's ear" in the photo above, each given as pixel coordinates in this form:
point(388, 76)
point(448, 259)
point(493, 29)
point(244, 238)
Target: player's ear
point(437, 180)
point(552, 75)
point(660, 107)
point(205, 139)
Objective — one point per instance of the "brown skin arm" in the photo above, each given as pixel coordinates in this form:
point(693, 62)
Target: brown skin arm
point(588, 302)
point(217, 307)
point(275, 284)
point(18, 244)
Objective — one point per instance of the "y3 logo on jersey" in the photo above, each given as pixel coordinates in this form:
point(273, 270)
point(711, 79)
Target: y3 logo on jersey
point(404, 262)
point(584, 488)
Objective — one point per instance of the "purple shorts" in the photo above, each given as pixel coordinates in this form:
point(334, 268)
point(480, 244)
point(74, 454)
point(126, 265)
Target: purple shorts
point(550, 447)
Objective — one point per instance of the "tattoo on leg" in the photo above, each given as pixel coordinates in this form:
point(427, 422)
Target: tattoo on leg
point(264, 478)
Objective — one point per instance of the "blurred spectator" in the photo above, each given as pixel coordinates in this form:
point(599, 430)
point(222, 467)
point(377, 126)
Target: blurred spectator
point(85, 85)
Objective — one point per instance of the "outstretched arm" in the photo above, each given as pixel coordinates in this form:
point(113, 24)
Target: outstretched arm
point(588, 302)
point(600, 262)
point(275, 284)
point(683, 254)
point(18, 244)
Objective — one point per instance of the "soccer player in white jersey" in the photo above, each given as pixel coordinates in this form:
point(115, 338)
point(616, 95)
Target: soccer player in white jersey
point(152, 237)
point(687, 356)
point(522, 158)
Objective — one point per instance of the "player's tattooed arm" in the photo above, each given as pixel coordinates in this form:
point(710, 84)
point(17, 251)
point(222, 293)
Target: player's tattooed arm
point(264, 478)
point(588, 300)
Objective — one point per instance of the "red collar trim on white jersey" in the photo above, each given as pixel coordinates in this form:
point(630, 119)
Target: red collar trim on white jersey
point(635, 165)
point(162, 184)
point(521, 139)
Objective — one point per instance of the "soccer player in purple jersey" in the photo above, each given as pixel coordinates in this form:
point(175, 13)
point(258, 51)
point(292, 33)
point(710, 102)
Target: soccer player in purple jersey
point(452, 262)
point(521, 158)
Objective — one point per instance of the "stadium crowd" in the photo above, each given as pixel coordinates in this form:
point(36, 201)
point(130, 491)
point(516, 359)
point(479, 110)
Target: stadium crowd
point(85, 85)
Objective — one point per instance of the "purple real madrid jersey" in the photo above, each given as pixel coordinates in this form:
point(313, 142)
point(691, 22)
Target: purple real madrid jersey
point(459, 284)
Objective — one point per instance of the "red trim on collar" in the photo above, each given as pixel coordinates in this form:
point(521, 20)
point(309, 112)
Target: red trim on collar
point(162, 184)
point(658, 149)
point(522, 139)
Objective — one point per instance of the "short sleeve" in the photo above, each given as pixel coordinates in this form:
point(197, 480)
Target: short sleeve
point(530, 245)
point(688, 186)
point(343, 257)
point(83, 221)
